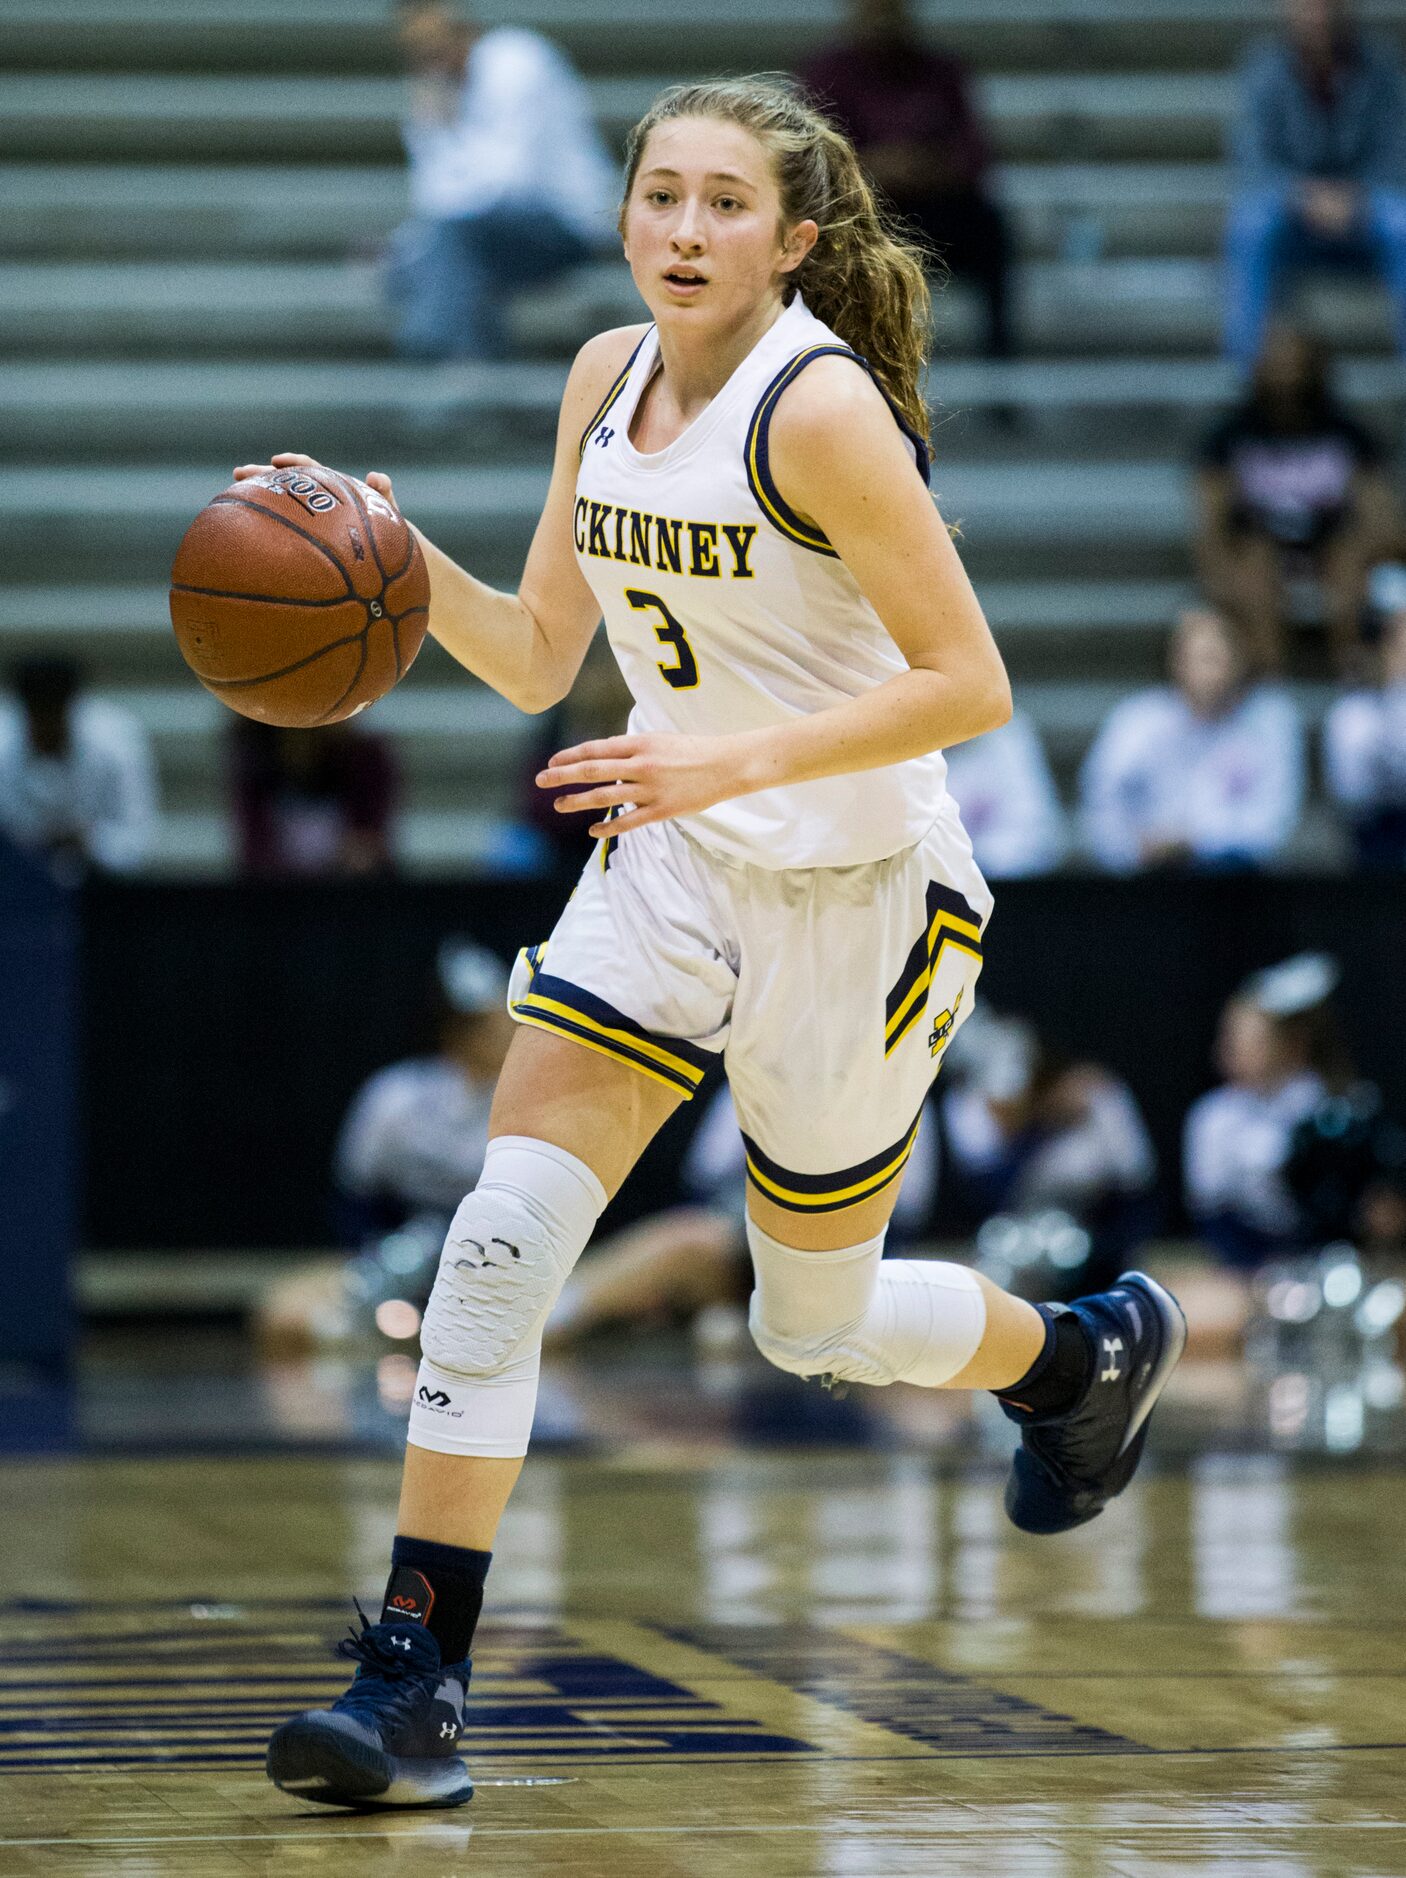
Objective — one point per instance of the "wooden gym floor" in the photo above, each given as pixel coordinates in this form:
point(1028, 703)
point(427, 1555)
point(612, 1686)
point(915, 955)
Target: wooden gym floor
point(822, 1663)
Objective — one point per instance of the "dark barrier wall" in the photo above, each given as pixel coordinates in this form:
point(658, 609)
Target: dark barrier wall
point(38, 1114)
point(228, 1027)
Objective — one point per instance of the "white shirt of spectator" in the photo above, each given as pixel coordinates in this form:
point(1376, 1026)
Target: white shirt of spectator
point(103, 792)
point(1109, 1150)
point(1234, 1146)
point(1002, 784)
point(417, 1130)
point(1159, 773)
point(520, 130)
point(1364, 750)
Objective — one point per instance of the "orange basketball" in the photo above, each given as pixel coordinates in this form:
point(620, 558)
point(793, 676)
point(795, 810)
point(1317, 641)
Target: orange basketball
point(299, 597)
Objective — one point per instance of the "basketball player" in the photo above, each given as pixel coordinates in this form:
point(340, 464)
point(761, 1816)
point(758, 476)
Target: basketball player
point(740, 488)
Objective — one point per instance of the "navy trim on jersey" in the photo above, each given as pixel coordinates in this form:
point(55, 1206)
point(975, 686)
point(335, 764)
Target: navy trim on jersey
point(756, 454)
point(950, 921)
point(611, 396)
point(552, 1003)
point(609, 843)
point(827, 1193)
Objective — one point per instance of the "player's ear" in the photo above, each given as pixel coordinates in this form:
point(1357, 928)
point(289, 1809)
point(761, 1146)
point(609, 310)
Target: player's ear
point(797, 243)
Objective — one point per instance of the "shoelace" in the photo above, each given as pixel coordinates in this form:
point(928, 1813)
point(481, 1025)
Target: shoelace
point(387, 1683)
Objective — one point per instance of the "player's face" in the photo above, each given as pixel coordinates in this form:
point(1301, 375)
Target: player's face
point(703, 231)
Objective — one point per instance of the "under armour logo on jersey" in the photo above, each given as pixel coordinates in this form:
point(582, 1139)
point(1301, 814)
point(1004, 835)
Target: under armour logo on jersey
point(447, 1731)
point(604, 435)
point(1112, 1346)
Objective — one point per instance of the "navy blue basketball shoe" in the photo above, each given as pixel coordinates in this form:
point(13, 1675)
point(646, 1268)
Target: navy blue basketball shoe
point(1069, 1466)
point(392, 1739)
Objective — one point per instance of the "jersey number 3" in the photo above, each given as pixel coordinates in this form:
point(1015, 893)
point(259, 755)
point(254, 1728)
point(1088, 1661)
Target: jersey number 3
point(684, 675)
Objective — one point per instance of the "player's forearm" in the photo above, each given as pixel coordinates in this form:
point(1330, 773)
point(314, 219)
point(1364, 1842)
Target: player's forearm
point(494, 635)
point(908, 715)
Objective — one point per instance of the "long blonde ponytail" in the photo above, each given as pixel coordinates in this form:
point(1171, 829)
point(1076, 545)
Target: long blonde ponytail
point(864, 278)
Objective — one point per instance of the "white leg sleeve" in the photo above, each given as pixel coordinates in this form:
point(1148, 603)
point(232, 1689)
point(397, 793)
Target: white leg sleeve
point(855, 1315)
point(509, 1250)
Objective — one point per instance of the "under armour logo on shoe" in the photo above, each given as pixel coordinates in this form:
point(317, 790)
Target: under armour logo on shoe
point(604, 435)
point(447, 1731)
point(1111, 1348)
point(400, 1643)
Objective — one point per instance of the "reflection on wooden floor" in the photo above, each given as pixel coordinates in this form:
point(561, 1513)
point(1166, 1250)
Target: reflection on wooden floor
point(825, 1664)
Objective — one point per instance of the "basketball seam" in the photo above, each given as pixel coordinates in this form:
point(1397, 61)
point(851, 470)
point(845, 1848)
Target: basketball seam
point(298, 665)
point(286, 521)
point(361, 510)
point(354, 681)
point(386, 578)
point(265, 599)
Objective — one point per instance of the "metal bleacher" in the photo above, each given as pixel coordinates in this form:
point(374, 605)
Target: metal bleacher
point(192, 198)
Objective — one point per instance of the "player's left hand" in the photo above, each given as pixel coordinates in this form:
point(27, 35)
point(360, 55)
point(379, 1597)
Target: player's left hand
point(661, 774)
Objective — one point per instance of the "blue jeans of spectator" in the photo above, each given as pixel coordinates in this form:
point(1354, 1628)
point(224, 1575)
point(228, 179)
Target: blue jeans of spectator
point(449, 280)
point(1266, 238)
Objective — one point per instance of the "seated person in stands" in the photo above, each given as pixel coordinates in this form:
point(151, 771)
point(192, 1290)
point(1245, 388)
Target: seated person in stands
point(1290, 484)
point(312, 803)
point(910, 114)
point(1364, 739)
point(1026, 1131)
point(1320, 155)
point(77, 775)
point(1279, 1052)
point(1010, 807)
point(414, 1138)
point(510, 182)
point(1206, 772)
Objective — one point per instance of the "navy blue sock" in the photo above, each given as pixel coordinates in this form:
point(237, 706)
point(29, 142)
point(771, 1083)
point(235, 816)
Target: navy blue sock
point(1060, 1374)
point(439, 1586)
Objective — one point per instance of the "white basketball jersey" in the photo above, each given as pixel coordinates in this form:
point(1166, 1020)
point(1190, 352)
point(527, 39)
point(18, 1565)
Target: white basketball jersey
point(728, 612)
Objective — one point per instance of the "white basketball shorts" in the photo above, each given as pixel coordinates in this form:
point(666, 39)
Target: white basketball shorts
point(831, 993)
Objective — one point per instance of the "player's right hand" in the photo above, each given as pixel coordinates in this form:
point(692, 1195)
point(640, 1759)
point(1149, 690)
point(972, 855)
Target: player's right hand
point(286, 459)
point(290, 459)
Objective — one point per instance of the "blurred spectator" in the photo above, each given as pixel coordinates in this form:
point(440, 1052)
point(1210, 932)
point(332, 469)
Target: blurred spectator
point(1024, 1132)
point(1320, 152)
point(1280, 1055)
point(414, 1138)
point(1207, 772)
point(77, 775)
point(1290, 484)
point(312, 802)
point(1364, 741)
point(1346, 1172)
point(910, 115)
point(510, 181)
point(1002, 784)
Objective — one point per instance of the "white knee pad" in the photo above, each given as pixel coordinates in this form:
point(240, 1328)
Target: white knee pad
point(509, 1250)
point(853, 1315)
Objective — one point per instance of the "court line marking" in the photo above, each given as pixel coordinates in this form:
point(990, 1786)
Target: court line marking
point(684, 1761)
point(866, 1827)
